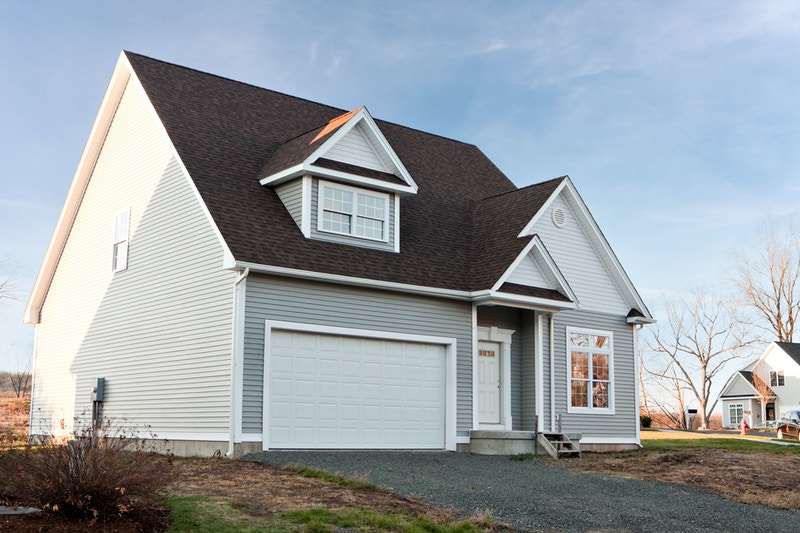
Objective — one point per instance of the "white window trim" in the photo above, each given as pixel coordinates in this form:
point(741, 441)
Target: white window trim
point(611, 387)
point(120, 238)
point(779, 376)
point(356, 191)
point(739, 405)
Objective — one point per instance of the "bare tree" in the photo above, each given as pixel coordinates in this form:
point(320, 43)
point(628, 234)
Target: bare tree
point(767, 278)
point(702, 335)
point(7, 288)
point(668, 397)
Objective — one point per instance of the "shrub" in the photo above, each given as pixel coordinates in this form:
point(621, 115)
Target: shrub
point(645, 421)
point(92, 475)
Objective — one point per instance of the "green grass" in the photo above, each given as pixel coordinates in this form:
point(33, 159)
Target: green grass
point(325, 520)
point(521, 457)
point(722, 443)
point(202, 514)
point(351, 483)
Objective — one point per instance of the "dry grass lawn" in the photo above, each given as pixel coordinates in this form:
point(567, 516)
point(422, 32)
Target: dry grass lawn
point(263, 490)
point(753, 477)
point(14, 413)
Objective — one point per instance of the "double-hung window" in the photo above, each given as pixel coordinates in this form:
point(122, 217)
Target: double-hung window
point(735, 413)
point(590, 359)
point(119, 250)
point(776, 378)
point(355, 212)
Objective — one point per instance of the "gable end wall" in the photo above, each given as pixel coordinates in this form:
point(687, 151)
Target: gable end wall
point(158, 332)
point(579, 263)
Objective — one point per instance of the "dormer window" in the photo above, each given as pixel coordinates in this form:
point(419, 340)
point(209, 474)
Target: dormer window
point(351, 211)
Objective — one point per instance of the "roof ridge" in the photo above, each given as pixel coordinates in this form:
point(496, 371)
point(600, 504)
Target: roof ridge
point(183, 67)
point(523, 188)
point(341, 110)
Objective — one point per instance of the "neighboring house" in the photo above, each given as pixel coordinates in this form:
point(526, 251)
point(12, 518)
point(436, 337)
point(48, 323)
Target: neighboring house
point(249, 270)
point(765, 389)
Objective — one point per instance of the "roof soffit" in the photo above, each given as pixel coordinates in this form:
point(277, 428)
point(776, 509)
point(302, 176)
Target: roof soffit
point(302, 155)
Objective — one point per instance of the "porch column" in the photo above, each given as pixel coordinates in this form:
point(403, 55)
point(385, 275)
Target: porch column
point(539, 365)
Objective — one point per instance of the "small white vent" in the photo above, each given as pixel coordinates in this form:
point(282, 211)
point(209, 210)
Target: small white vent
point(559, 217)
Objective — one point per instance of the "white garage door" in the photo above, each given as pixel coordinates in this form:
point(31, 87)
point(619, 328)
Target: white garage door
point(331, 391)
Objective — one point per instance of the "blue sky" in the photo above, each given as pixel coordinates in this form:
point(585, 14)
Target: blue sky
point(678, 121)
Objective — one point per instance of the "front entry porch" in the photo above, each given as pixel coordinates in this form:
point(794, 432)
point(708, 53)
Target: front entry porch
point(489, 442)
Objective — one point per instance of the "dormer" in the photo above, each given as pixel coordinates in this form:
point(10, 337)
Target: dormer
point(342, 182)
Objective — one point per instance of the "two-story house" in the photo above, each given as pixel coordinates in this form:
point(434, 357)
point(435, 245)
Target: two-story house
point(249, 270)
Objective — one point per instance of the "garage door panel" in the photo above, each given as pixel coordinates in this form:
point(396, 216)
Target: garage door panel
point(355, 393)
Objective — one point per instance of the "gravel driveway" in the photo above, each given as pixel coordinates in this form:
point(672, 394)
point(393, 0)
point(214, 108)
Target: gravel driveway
point(540, 495)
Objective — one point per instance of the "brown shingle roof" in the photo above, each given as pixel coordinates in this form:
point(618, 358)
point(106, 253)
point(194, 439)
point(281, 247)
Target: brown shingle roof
point(458, 232)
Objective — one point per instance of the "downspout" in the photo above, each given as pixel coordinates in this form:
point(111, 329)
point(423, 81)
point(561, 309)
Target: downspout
point(34, 357)
point(552, 378)
point(237, 355)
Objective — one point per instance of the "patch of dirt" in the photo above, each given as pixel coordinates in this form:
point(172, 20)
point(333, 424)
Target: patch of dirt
point(262, 490)
point(759, 478)
point(255, 488)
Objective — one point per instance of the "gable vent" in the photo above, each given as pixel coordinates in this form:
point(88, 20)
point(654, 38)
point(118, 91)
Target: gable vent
point(559, 217)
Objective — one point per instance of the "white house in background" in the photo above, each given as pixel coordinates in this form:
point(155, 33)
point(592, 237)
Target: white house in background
point(249, 270)
point(765, 388)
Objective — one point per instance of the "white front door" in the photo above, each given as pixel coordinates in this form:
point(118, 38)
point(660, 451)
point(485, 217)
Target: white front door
point(489, 382)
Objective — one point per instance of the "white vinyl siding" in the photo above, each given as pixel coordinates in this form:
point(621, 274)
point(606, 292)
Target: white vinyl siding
point(161, 334)
point(284, 299)
point(578, 261)
point(119, 248)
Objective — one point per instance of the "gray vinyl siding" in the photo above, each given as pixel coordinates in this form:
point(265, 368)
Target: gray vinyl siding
point(346, 239)
point(740, 387)
point(529, 273)
point(291, 194)
point(355, 149)
point(621, 424)
point(579, 262)
point(527, 370)
point(286, 299)
point(158, 332)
